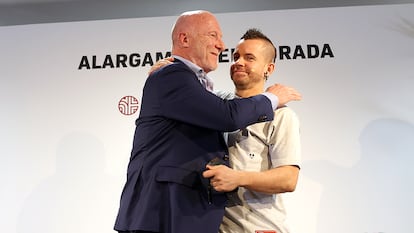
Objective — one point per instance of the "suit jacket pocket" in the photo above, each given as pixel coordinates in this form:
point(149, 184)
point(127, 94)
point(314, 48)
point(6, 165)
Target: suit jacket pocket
point(178, 175)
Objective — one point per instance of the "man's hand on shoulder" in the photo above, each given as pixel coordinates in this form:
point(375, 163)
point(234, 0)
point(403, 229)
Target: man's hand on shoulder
point(284, 93)
point(161, 63)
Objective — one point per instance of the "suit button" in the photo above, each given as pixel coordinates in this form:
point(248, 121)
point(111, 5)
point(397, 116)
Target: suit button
point(263, 118)
point(226, 157)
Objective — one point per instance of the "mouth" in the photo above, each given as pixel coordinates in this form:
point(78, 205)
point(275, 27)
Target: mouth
point(238, 73)
point(215, 54)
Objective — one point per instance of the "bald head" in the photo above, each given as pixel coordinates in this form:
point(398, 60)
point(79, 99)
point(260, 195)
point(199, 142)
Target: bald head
point(188, 22)
point(197, 36)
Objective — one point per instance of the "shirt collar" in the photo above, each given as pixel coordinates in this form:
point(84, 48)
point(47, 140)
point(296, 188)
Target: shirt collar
point(195, 68)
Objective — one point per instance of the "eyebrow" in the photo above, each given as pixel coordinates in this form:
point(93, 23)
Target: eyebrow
point(250, 54)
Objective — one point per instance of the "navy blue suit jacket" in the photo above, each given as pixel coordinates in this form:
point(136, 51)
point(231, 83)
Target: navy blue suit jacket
point(177, 133)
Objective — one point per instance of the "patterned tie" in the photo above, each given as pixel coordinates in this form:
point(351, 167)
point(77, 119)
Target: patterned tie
point(205, 80)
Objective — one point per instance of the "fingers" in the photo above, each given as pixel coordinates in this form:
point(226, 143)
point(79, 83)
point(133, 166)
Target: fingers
point(284, 93)
point(294, 94)
point(210, 171)
point(160, 63)
point(215, 185)
point(208, 174)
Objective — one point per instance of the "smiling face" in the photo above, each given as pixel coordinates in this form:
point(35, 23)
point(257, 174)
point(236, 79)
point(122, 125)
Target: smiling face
point(251, 62)
point(198, 38)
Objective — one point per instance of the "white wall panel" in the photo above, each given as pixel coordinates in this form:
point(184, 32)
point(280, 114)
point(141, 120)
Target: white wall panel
point(64, 145)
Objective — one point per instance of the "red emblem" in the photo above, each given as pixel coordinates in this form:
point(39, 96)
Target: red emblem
point(128, 105)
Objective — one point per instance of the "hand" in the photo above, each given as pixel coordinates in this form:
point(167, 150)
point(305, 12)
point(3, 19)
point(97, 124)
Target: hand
point(284, 93)
point(161, 63)
point(222, 178)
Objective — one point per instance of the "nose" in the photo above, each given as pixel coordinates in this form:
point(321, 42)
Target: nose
point(238, 61)
point(220, 45)
point(236, 65)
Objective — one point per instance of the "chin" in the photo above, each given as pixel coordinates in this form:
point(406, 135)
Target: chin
point(239, 80)
point(238, 76)
point(213, 67)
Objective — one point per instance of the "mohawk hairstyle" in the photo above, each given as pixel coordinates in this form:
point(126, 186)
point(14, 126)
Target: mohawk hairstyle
point(254, 33)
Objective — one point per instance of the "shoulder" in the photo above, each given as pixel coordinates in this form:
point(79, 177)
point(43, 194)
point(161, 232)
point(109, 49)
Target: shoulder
point(285, 115)
point(285, 111)
point(175, 67)
point(173, 74)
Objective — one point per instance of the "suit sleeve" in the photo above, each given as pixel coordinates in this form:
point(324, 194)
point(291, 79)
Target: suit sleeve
point(182, 98)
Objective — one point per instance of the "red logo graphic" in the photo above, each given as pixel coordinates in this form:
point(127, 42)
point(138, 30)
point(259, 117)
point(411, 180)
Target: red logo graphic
point(128, 105)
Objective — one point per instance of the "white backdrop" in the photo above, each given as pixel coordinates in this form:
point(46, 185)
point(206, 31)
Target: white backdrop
point(64, 144)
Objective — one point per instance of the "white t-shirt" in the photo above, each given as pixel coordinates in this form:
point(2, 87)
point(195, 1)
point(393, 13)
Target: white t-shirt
point(260, 147)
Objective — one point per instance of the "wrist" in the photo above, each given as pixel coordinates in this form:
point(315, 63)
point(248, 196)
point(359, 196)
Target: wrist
point(244, 179)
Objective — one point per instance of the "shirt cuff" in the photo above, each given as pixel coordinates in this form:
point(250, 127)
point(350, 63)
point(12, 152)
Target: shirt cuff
point(273, 99)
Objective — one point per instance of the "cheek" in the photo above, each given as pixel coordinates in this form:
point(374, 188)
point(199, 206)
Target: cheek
point(250, 69)
point(253, 69)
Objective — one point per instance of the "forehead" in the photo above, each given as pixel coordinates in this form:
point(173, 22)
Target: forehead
point(207, 23)
point(251, 46)
point(213, 27)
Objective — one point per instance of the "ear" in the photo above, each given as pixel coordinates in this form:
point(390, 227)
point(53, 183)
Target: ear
point(184, 40)
point(270, 68)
